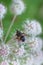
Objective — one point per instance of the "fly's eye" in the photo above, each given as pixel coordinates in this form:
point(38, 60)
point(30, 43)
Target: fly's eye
point(22, 38)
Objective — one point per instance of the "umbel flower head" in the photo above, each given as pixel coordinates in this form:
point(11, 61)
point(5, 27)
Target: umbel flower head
point(29, 52)
point(4, 51)
point(18, 53)
point(18, 7)
point(32, 27)
point(2, 11)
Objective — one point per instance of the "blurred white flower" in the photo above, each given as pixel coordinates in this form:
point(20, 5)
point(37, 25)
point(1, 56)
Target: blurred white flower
point(39, 59)
point(32, 27)
point(4, 63)
point(17, 7)
point(2, 11)
point(35, 43)
point(16, 62)
point(21, 51)
point(4, 50)
point(1, 33)
point(29, 61)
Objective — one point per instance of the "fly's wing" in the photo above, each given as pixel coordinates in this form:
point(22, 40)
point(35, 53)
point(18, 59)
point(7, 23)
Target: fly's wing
point(12, 40)
point(26, 34)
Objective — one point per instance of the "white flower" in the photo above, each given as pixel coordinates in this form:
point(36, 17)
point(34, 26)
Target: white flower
point(35, 43)
point(29, 61)
point(1, 33)
point(32, 27)
point(4, 63)
point(16, 62)
point(18, 7)
point(21, 51)
point(2, 11)
point(4, 50)
point(39, 59)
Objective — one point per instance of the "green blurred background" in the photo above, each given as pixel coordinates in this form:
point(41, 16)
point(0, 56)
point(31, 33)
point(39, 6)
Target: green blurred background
point(34, 10)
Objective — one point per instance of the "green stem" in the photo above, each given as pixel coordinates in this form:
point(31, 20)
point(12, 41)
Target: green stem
point(1, 26)
point(10, 28)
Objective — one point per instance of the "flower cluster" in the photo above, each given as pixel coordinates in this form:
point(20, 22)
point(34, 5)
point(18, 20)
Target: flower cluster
point(4, 51)
point(21, 53)
point(2, 11)
point(17, 7)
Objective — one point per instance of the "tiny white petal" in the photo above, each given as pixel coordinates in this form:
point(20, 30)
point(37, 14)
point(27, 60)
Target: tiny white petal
point(29, 61)
point(4, 63)
point(16, 62)
point(21, 51)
